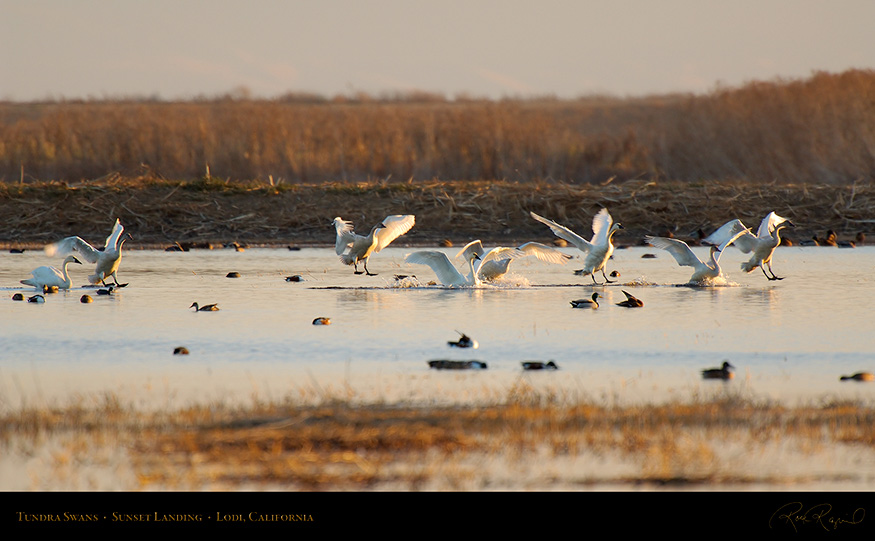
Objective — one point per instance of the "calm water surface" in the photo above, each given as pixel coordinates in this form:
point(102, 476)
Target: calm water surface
point(790, 340)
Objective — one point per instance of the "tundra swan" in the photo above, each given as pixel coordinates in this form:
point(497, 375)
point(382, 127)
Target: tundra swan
point(206, 308)
point(50, 276)
point(446, 272)
point(685, 257)
point(631, 302)
point(586, 303)
point(494, 263)
point(724, 372)
point(539, 365)
point(444, 364)
point(598, 250)
point(107, 259)
point(362, 247)
point(464, 341)
point(762, 244)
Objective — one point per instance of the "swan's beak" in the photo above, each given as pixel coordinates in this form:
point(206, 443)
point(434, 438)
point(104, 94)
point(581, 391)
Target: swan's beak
point(789, 223)
point(76, 261)
point(130, 237)
point(620, 226)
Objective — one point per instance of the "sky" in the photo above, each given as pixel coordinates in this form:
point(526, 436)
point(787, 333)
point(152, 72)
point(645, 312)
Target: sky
point(182, 49)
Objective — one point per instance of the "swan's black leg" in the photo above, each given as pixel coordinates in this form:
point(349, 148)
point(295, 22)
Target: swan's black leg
point(606, 278)
point(369, 273)
point(592, 275)
point(356, 265)
point(774, 277)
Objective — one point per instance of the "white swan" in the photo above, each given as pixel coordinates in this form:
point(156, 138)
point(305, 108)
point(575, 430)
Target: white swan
point(446, 272)
point(107, 259)
point(683, 254)
point(361, 247)
point(494, 263)
point(762, 245)
point(598, 250)
point(50, 276)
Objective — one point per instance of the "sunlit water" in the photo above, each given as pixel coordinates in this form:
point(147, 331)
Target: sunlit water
point(790, 339)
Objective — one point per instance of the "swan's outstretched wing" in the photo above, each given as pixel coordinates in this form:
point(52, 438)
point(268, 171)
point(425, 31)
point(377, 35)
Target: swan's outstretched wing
point(768, 225)
point(446, 273)
point(73, 244)
point(395, 226)
point(345, 235)
point(564, 233)
point(601, 226)
point(544, 253)
point(114, 236)
point(473, 247)
point(677, 248)
point(746, 242)
point(743, 234)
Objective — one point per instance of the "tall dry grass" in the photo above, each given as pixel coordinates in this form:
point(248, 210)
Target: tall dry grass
point(817, 130)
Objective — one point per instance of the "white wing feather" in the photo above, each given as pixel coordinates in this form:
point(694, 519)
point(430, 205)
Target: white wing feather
point(396, 225)
point(564, 233)
point(446, 273)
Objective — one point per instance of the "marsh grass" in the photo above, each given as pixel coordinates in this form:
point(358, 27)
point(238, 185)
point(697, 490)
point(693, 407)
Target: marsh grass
point(816, 130)
point(527, 440)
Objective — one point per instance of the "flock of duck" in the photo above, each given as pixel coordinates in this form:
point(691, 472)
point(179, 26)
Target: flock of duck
point(483, 266)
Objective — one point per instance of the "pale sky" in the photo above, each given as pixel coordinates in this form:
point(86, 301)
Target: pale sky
point(179, 49)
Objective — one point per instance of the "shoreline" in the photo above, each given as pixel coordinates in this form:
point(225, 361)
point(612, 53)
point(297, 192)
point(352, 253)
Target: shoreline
point(214, 212)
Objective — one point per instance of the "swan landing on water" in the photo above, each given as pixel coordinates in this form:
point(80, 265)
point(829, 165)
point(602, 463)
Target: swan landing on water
point(494, 263)
point(598, 250)
point(44, 277)
point(446, 272)
point(762, 245)
point(703, 272)
point(353, 248)
point(107, 260)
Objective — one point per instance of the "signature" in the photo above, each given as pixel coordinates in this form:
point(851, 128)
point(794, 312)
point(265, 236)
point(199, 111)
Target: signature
point(796, 515)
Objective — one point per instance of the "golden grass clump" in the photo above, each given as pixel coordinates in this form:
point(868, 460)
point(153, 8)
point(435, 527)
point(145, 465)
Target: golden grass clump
point(521, 441)
point(816, 130)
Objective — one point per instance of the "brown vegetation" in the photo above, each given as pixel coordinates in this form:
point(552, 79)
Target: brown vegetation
point(529, 440)
point(210, 210)
point(819, 130)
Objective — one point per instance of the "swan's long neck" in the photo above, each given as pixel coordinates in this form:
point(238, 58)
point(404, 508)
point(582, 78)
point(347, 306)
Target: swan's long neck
point(715, 260)
point(474, 278)
point(67, 274)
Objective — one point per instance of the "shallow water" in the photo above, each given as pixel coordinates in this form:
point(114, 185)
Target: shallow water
point(790, 340)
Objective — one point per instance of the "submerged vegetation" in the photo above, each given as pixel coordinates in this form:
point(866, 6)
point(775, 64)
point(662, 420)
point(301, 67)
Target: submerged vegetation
point(817, 130)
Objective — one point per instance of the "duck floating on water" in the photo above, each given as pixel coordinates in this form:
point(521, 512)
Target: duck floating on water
point(724, 372)
point(205, 308)
point(859, 376)
point(85, 299)
point(464, 341)
point(18, 297)
point(444, 364)
point(322, 321)
point(586, 303)
point(539, 365)
point(36, 299)
point(181, 350)
point(631, 302)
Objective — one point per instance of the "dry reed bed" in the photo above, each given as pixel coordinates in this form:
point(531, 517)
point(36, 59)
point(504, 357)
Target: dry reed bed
point(817, 130)
point(344, 446)
point(211, 210)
